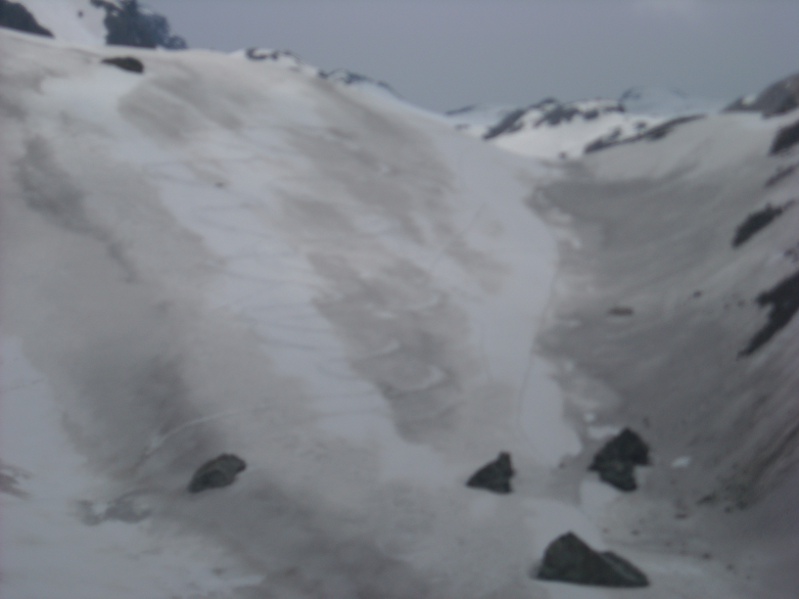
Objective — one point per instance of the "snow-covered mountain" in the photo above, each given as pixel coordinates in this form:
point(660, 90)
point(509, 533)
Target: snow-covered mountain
point(552, 129)
point(266, 335)
point(777, 99)
point(132, 23)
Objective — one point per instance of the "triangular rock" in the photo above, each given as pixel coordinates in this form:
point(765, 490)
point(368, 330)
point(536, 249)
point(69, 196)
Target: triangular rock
point(126, 63)
point(617, 459)
point(494, 476)
point(569, 559)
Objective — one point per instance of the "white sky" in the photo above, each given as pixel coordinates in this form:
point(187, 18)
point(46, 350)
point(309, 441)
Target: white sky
point(444, 54)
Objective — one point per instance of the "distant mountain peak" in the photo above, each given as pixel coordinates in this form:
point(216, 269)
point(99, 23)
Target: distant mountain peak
point(778, 98)
point(664, 101)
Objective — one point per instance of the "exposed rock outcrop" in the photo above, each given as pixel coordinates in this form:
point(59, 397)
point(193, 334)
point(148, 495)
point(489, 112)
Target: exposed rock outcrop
point(128, 25)
point(16, 16)
point(786, 138)
point(126, 63)
point(783, 300)
point(757, 221)
point(652, 134)
point(779, 98)
point(551, 113)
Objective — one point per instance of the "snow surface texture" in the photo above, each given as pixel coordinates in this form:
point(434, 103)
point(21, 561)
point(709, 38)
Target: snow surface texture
point(227, 256)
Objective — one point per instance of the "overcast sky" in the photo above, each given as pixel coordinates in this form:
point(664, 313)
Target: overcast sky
point(444, 54)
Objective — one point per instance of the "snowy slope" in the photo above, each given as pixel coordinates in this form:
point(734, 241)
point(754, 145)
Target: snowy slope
point(360, 83)
point(681, 288)
point(74, 21)
point(225, 255)
point(238, 258)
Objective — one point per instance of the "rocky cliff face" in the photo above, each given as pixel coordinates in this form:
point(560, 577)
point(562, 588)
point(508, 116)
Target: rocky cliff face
point(112, 22)
point(777, 99)
point(128, 24)
point(16, 16)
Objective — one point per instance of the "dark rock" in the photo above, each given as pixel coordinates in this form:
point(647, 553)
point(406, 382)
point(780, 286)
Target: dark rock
point(569, 559)
point(494, 476)
point(127, 25)
point(786, 138)
point(781, 173)
point(16, 16)
point(551, 113)
point(219, 472)
point(606, 141)
point(784, 302)
point(653, 134)
point(126, 63)
point(259, 54)
point(755, 222)
point(349, 78)
point(616, 461)
point(506, 125)
point(559, 114)
point(779, 98)
point(664, 129)
point(556, 113)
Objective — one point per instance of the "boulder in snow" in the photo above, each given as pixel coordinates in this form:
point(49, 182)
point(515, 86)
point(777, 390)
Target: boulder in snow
point(494, 476)
point(126, 63)
point(570, 559)
point(616, 461)
point(216, 473)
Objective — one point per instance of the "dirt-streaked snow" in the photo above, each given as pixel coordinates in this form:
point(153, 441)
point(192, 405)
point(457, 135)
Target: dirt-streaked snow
point(221, 255)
